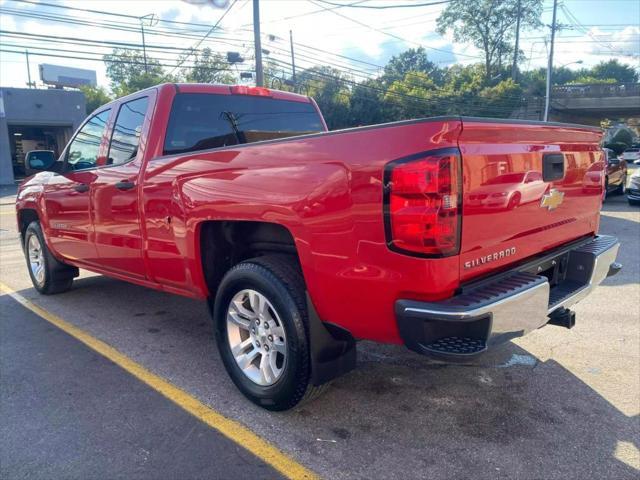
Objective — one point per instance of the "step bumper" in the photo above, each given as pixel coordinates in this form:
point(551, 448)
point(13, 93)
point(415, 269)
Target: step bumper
point(507, 306)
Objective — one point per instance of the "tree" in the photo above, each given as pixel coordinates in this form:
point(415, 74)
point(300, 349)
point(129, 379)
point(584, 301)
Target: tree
point(366, 104)
point(208, 67)
point(613, 69)
point(95, 97)
point(127, 73)
point(489, 25)
point(591, 80)
point(412, 60)
point(619, 139)
point(329, 88)
point(412, 97)
point(500, 100)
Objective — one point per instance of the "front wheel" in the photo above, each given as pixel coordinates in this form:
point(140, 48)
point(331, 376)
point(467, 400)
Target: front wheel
point(262, 334)
point(514, 201)
point(48, 274)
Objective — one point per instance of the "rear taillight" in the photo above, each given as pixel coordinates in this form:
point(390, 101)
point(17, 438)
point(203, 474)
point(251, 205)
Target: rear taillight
point(422, 204)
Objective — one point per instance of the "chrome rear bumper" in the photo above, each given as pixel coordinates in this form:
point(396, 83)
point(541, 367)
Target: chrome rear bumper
point(506, 306)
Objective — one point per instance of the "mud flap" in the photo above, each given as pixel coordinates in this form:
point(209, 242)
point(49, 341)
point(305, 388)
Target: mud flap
point(333, 349)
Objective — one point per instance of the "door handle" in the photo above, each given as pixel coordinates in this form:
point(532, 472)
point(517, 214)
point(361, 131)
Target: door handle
point(81, 187)
point(125, 185)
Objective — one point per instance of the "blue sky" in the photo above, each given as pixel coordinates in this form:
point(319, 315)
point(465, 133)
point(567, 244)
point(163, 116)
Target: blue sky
point(596, 30)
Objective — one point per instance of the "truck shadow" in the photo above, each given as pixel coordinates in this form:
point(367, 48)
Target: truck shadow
point(398, 415)
point(628, 232)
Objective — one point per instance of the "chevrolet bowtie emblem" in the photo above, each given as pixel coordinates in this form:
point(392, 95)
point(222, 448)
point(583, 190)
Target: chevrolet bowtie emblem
point(552, 200)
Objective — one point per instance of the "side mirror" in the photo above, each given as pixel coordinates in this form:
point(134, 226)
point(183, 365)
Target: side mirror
point(39, 160)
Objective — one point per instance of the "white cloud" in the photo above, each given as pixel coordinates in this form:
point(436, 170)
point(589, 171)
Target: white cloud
point(325, 30)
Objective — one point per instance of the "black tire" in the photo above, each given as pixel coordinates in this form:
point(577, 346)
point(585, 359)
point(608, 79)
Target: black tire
point(605, 193)
point(514, 201)
point(621, 188)
point(279, 279)
point(633, 203)
point(57, 277)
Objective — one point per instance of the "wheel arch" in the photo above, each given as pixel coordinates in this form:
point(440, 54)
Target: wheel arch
point(25, 217)
point(225, 243)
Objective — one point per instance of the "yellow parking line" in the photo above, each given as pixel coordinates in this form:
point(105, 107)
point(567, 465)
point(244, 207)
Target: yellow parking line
point(229, 428)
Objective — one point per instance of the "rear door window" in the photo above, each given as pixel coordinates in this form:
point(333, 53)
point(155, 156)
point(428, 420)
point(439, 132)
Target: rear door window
point(200, 121)
point(125, 138)
point(85, 147)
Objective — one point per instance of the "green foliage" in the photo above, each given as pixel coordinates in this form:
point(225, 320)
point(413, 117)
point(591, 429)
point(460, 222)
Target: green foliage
point(411, 86)
point(623, 135)
point(329, 88)
point(619, 139)
point(127, 73)
point(412, 60)
point(591, 80)
point(412, 97)
point(366, 105)
point(616, 71)
point(208, 67)
point(499, 100)
point(489, 25)
point(95, 97)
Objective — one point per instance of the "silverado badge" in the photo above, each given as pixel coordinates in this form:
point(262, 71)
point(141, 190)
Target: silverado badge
point(552, 200)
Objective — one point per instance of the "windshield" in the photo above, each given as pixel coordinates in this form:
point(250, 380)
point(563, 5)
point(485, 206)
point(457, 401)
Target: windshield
point(201, 121)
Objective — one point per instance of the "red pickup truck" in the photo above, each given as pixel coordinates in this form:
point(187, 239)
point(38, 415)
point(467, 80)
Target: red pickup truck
point(448, 235)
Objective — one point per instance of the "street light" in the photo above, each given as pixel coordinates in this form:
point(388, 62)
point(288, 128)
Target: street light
point(579, 62)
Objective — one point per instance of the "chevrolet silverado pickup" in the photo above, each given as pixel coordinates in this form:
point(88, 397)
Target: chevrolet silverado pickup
point(449, 235)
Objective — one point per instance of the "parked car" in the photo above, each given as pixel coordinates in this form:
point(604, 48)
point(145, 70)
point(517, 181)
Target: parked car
point(303, 240)
point(509, 190)
point(633, 190)
point(632, 155)
point(616, 177)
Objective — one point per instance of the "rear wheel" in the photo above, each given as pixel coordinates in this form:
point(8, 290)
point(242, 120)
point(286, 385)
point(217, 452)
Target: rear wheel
point(262, 331)
point(48, 275)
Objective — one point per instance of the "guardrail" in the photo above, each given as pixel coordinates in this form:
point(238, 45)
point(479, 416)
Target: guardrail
point(596, 90)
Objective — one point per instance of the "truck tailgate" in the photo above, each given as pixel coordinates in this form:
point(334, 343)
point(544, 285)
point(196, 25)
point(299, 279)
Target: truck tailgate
point(527, 187)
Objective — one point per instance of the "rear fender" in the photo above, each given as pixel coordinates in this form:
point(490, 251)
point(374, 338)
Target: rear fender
point(305, 199)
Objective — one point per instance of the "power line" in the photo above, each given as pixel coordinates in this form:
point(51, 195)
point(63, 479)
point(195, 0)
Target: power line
point(392, 34)
point(153, 32)
point(382, 7)
point(203, 38)
point(283, 19)
point(76, 57)
point(102, 12)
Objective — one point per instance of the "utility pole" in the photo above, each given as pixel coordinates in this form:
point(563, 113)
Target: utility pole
point(144, 49)
point(258, 43)
point(26, 52)
point(514, 68)
point(293, 61)
point(547, 99)
point(144, 45)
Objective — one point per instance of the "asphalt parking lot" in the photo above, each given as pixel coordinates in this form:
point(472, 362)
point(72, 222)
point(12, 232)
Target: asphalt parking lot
point(555, 404)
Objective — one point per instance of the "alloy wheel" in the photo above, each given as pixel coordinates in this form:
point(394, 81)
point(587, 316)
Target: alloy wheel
point(36, 259)
point(256, 337)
